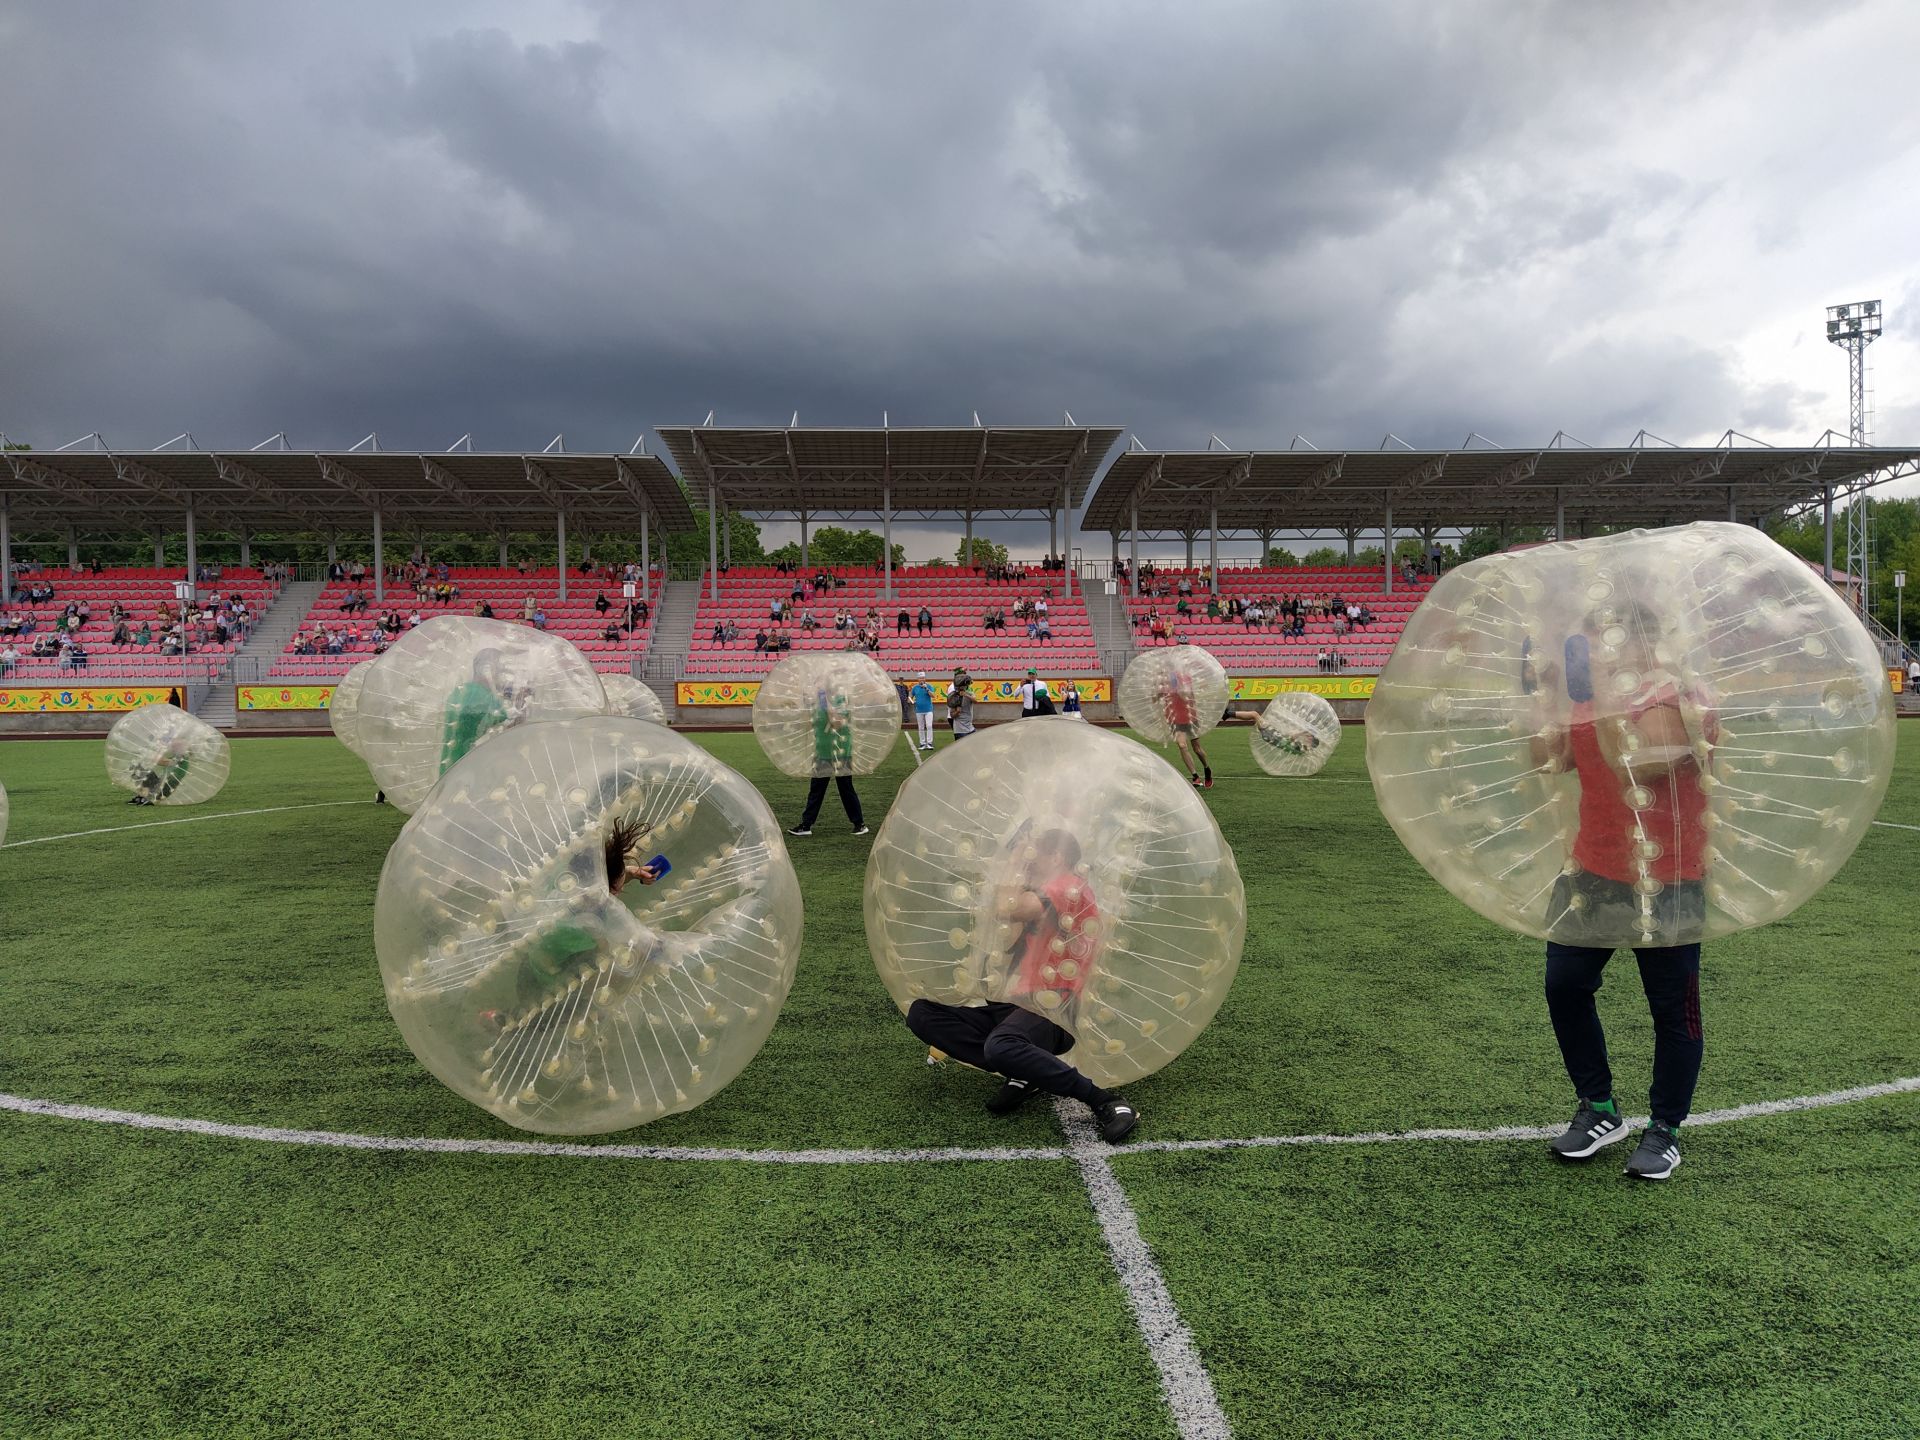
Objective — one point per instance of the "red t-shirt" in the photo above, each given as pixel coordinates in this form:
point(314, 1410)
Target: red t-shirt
point(1610, 827)
point(1058, 951)
point(1179, 705)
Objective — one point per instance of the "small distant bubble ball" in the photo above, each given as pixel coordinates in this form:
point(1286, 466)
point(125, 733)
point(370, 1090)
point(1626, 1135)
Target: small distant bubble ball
point(449, 684)
point(832, 713)
point(1650, 738)
point(166, 756)
point(627, 696)
point(343, 709)
point(1296, 735)
point(528, 985)
point(1169, 692)
point(1142, 916)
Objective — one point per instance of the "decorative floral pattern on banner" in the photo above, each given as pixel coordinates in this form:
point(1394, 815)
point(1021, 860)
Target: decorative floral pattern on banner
point(283, 697)
point(31, 700)
point(985, 691)
point(1330, 687)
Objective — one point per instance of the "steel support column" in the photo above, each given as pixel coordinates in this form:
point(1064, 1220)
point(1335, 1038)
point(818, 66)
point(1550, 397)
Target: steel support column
point(1133, 553)
point(6, 552)
point(804, 528)
point(1559, 514)
point(73, 549)
point(160, 550)
point(560, 537)
point(1826, 506)
point(379, 557)
point(968, 562)
point(726, 537)
point(193, 555)
point(886, 538)
point(1733, 510)
point(1066, 538)
point(646, 557)
point(1386, 529)
point(246, 548)
point(1213, 544)
point(713, 544)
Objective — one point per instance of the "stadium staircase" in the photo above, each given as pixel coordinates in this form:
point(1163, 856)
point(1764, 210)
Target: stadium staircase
point(285, 614)
point(666, 659)
point(1112, 628)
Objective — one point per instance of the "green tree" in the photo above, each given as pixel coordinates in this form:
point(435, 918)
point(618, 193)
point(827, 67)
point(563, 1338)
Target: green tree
point(691, 549)
point(832, 547)
point(985, 552)
point(1323, 556)
point(1281, 558)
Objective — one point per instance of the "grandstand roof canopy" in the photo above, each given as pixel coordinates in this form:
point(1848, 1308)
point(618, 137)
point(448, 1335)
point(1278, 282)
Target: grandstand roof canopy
point(326, 491)
point(1320, 490)
point(990, 470)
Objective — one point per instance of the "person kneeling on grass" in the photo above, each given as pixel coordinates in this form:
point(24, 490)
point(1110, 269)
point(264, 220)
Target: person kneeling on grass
point(1050, 903)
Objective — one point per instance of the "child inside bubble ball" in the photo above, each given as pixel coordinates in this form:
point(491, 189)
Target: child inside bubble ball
point(1183, 717)
point(1635, 739)
point(161, 776)
point(832, 759)
point(1051, 911)
point(473, 710)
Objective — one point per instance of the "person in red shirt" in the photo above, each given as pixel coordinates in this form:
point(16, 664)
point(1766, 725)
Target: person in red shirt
point(1183, 717)
point(1636, 739)
point(1023, 1035)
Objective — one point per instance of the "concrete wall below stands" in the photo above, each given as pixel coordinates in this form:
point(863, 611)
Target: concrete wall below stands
point(78, 722)
point(270, 720)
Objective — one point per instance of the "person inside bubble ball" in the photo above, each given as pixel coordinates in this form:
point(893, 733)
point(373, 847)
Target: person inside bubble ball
point(1182, 717)
point(1635, 739)
point(474, 709)
point(566, 949)
point(832, 757)
point(1051, 910)
point(161, 776)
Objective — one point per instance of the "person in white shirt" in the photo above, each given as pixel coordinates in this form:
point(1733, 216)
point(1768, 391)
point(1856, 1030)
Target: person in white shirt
point(1913, 673)
point(1035, 698)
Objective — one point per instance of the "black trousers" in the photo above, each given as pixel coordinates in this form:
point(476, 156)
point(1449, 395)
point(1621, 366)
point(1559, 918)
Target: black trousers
point(817, 792)
point(1005, 1039)
point(1671, 977)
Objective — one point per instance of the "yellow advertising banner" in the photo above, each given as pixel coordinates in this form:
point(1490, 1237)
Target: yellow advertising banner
point(1330, 687)
point(30, 700)
point(1897, 678)
point(1093, 689)
point(282, 697)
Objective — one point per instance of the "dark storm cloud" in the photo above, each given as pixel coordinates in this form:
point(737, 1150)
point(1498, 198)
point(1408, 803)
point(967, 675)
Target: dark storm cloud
point(516, 221)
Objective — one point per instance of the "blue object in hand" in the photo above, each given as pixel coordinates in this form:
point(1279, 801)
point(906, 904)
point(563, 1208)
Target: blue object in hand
point(1579, 669)
point(660, 865)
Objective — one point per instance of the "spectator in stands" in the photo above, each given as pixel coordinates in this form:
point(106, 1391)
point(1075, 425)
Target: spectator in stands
point(782, 641)
point(729, 633)
point(611, 634)
point(873, 639)
point(902, 623)
point(1184, 608)
point(122, 633)
point(485, 611)
point(601, 604)
point(1913, 673)
point(873, 617)
point(539, 621)
point(1252, 615)
point(808, 620)
point(760, 638)
point(145, 635)
point(638, 612)
point(44, 647)
point(775, 607)
point(358, 572)
point(1043, 630)
point(1185, 586)
point(1320, 659)
point(9, 659)
point(924, 625)
point(527, 607)
point(1213, 607)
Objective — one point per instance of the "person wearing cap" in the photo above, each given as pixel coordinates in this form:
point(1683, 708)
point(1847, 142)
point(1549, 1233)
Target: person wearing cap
point(960, 704)
point(1035, 699)
point(922, 696)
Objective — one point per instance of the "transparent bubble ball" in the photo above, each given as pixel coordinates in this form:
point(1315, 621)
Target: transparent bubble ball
point(1179, 689)
point(1296, 735)
point(448, 684)
point(832, 713)
point(1149, 913)
point(1649, 738)
point(627, 696)
point(169, 757)
point(527, 985)
point(343, 710)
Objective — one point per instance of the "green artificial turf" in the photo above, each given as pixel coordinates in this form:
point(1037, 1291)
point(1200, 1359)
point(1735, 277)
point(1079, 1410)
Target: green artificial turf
point(224, 970)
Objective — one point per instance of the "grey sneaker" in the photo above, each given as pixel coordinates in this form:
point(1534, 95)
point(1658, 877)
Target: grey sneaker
point(1658, 1155)
point(1590, 1130)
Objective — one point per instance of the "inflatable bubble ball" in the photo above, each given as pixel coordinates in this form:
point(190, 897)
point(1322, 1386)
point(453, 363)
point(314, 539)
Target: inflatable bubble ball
point(343, 710)
point(1068, 870)
point(448, 684)
point(1168, 693)
point(832, 713)
point(627, 696)
point(1645, 739)
point(1296, 735)
point(166, 756)
point(588, 924)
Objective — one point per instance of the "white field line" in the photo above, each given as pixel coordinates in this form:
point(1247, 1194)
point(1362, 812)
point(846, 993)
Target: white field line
point(1891, 825)
point(1184, 1382)
point(183, 820)
point(346, 1140)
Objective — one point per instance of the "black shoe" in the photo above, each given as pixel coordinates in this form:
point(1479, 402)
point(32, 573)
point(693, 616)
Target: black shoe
point(379, 797)
point(133, 799)
point(1658, 1155)
point(1590, 1130)
point(1117, 1119)
point(800, 830)
point(860, 830)
point(1011, 1096)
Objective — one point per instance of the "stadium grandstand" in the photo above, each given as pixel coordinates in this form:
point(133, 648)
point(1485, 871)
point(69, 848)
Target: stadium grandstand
point(263, 643)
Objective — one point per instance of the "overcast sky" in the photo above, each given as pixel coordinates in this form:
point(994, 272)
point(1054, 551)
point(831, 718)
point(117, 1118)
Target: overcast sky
point(1244, 220)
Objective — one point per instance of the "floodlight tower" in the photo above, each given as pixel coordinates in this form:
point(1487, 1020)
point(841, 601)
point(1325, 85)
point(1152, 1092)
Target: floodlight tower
point(1853, 327)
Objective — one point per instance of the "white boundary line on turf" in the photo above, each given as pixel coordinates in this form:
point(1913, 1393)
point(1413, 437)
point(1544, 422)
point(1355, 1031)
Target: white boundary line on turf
point(1184, 1382)
point(1892, 825)
point(347, 1140)
point(183, 820)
